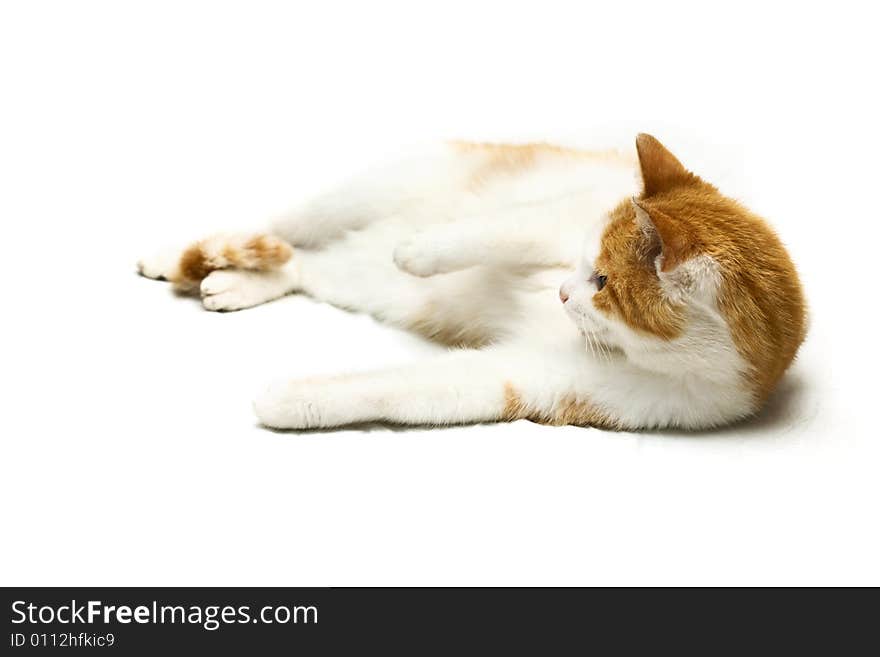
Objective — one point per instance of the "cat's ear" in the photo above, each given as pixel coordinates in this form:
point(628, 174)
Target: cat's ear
point(662, 236)
point(661, 170)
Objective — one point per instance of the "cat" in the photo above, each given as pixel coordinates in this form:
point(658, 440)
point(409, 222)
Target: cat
point(678, 309)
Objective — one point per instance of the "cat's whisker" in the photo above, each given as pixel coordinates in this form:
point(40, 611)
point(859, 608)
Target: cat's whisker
point(588, 338)
point(598, 349)
point(605, 350)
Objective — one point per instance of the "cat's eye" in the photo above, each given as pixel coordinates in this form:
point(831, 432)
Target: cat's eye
point(600, 281)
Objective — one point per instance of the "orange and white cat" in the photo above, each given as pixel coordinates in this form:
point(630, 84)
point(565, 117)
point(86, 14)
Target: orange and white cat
point(680, 308)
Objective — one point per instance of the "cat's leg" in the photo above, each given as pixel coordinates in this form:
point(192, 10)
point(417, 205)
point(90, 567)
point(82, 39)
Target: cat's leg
point(446, 248)
point(425, 187)
point(464, 387)
point(229, 272)
point(540, 235)
point(468, 308)
point(187, 267)
point(555, 382)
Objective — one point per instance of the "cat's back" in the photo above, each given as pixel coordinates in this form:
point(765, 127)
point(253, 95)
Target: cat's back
point(505, 173)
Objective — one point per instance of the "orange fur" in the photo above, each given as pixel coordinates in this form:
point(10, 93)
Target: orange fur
point(193, 267)
point(760, 294)
point(435, 325)
point(633, 292)
point(257, 252)
point(263, 252)
point(569, 410)
point(499, 160)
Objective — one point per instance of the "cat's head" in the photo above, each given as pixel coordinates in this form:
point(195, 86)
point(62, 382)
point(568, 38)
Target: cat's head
point(686, 281)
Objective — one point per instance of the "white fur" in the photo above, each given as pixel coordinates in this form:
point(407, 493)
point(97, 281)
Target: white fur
point(416, 241)
point(161, 265)
point(237, 289)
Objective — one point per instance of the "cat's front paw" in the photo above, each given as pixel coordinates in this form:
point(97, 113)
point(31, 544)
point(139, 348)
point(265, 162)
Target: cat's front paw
point(418, 258)
point(288, 405)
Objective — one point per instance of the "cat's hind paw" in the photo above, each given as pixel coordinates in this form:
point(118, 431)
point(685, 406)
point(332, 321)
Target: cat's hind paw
point(232, 289)
point(161, 266)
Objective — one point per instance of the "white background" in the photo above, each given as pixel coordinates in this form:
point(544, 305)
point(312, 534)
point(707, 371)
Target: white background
point(129, 451)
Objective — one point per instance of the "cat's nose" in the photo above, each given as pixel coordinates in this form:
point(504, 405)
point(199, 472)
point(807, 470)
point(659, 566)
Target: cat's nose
point(563, 295)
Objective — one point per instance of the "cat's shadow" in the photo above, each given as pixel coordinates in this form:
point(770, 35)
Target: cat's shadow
point(790, 408)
